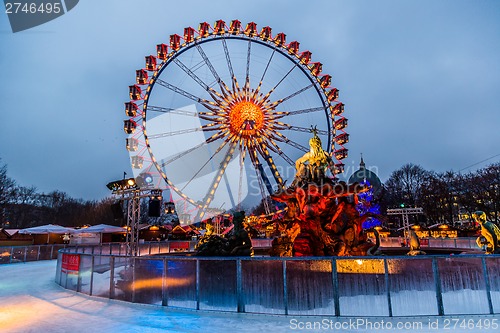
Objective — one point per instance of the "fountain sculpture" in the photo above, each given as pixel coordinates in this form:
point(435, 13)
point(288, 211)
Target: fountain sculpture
point(320, 220)
point(490, 234)
point(237, 243)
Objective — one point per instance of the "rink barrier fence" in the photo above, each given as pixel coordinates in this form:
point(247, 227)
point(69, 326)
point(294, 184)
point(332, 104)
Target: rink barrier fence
point(26, 253)
point(13, 254)
point(324, 286)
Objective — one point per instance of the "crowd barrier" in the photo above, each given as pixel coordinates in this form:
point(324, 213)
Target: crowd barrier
point(339, 286)
point(15, 254)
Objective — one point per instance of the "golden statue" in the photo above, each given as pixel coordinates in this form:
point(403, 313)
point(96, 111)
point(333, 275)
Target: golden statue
point(312, 165)
point(490, 233)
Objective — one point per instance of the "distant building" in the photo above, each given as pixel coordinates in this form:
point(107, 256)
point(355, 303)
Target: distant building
point(364, 175)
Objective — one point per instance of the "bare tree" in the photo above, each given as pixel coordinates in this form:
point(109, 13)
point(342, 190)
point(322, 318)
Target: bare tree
point(488, 188)
point(438, 197)
point(7, 192)
point(404, 185)
point(26, 195)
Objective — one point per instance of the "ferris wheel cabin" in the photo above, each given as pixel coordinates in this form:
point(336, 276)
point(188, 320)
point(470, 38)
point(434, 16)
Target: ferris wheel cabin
point(132, 144)
point(280, 39)
point(338, 109)
point(150, 63)
point(325, 80)
point(131, 109)
point(293, 47)
point(189, 35)
point(338, 168)
point(341, 123)
point(219, 27)
point(332, 94)
point(162, 51)
point(265, 33)
point(341, 154)
point(135, 92)
point(141, 76)
point(129, 126)
point(316, 68)
point(342, 139)
point(251, 29)
point(235, 27)
point(204, 29)
point(175, 42)
point(137, 162)
point(305, 57)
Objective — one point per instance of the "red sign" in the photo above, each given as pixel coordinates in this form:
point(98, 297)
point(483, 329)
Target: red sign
point(70, 263)
point(179, 246)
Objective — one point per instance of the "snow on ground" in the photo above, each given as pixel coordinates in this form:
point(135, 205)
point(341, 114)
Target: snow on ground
point(30, 301)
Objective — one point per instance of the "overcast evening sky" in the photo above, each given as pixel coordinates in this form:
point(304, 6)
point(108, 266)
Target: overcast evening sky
point(420, 81)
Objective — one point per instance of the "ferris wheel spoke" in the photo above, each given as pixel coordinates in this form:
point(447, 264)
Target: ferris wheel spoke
point(308, 110)
point(261, 179)
point(256, 162)
point(262, 148)
point(240, 183)
point(264, 74)
point(177, 156)
point(224, 133)
point(234, 82)
point(302, 129)
point(224, 88)
point(298, 92)
point(212, 106)
point(247, 76)
point(280, 114)
point(214, 94)
point(277, 84)
point(204, 128)
point(209, 196)
point(205, 164)
point(229, 191)
point(174, 133)
point(274, 146)
point(282, 138)
point(178, 111)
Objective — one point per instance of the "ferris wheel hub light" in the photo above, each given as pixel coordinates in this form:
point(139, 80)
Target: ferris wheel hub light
point(246, 116)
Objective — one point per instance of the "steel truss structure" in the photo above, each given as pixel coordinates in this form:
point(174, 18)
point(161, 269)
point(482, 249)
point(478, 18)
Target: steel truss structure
point(133, 197)
point(405, 212)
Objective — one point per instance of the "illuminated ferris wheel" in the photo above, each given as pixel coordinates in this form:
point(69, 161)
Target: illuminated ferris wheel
point(220, 114)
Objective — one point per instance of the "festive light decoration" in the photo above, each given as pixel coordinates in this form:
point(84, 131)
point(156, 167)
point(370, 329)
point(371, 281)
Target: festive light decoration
point(367, 205)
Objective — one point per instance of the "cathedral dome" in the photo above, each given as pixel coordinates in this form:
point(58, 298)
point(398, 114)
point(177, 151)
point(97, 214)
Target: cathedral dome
point(364, 175)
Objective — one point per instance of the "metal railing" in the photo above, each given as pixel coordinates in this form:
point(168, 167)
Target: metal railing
point(14, 254)
point(17, 254)
point(338, 286)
